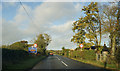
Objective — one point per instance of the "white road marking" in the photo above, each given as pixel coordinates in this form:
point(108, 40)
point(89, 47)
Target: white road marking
point(64, 63)
point(58, 58)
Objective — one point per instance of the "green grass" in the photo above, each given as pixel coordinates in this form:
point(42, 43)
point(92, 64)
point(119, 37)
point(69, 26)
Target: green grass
point(89, 57)
point(19, 59)
point(16, 57)
point(97, 63)
point(26, 64)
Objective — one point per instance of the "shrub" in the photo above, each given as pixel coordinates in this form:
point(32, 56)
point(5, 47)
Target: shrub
point(18, 46)
point(86, 54)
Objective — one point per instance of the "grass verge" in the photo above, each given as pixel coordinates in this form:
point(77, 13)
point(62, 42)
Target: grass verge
point(99, 64)
point(26, 64)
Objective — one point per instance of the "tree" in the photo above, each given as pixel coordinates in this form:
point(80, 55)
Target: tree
point(111, 24)
point(47, 39)
point(78, 29)
point(86, 27)
point(117, 57)
point(117, 53)
point(63, 50)
point(42, 41)
point(91, 20)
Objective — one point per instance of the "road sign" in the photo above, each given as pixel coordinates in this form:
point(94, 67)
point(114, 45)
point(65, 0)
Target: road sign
point(32, 49)
point(81, 45)
point(35, 45)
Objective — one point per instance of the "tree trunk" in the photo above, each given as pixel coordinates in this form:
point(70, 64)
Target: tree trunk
point(100, 34)
point(111, 38)
point(113, 44)
point(100, 57)
point(96, 41)
point(117, 66)
point(99, 28)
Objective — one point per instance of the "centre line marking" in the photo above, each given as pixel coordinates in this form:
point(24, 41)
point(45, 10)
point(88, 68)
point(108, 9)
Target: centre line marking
point(64, 63)
point(58, 58)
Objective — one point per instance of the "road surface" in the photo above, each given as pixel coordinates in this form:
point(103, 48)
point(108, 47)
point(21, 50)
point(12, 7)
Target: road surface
point(60, 62)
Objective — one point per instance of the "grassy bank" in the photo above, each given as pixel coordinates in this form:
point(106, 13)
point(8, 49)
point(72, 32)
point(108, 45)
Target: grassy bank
point(19, 59)
point(97, 63)
point(24, 65)
point(89, 57)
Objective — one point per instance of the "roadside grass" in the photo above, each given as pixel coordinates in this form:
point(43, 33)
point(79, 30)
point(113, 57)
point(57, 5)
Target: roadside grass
point(97, 63)
point(89, 57)
point(24, 64)
point(19, 59)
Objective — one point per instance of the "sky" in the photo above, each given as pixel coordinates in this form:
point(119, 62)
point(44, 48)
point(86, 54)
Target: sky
point(53, 18)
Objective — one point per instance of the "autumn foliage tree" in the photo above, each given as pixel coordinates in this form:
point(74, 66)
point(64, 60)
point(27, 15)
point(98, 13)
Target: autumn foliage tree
point(78, 29)
point(111, 23)
point(87, 26)
point(42, 41)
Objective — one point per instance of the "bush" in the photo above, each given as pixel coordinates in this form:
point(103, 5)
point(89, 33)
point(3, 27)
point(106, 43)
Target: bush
point(10, 57)
point(13, 55)
point(18, 46)
point(86, 54)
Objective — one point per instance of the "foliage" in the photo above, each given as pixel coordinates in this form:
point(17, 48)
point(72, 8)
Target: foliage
point(18, 51)
point(110, 15)
point(63, 50)
point(42, 41)
point(18, 59)
point(111, 23)
point(78, 29)
point(13, 55)
point(67, 52)
point(4, 46)
point(91, 21)
point(86, 27)
point(86, 54)
point(18, 45)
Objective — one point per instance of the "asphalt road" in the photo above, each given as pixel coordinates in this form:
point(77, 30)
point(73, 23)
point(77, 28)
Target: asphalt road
point(60, 62)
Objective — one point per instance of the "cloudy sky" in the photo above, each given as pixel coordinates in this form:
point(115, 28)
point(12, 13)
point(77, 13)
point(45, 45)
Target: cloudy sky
point(53, 18)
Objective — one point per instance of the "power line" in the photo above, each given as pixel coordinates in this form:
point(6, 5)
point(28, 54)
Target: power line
point(26, 11)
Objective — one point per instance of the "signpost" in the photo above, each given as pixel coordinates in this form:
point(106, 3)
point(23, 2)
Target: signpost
point(32, 49)
point(81, 46)
point(35, 45)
